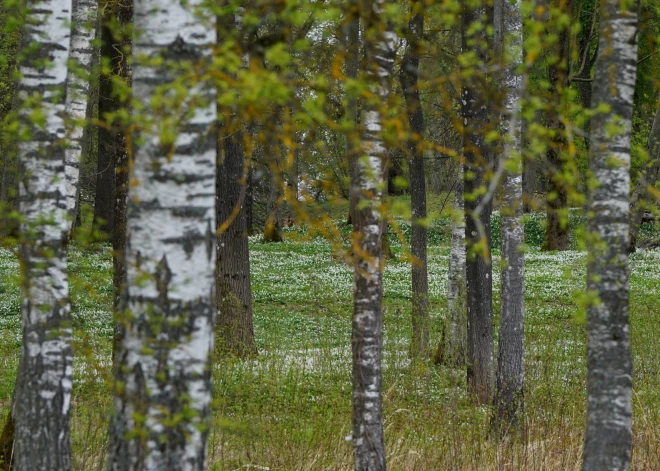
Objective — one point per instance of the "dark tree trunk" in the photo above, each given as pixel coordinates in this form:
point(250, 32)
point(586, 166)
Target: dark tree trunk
point(510, 366)
point(409, 77)
point(112, 145)
point(394, 172)
point(234, 327)
point(115, 49)
point(556, 226)
point(7, 442)
point(608, 440)
point(476, 151)
point(648, 176)
point(586, 58)
point(249, 202)
point(273, 226)
point(119, 238)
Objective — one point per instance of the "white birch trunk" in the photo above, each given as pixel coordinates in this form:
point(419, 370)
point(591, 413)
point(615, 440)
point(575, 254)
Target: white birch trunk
point(83, 32)
point(43, 390)
point(510, 368)
point(163, 387)
point(608, 440)
point(455, 350)
point(367, 334)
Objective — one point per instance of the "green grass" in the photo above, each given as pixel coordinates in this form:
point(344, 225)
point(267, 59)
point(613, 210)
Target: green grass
point(290, 407)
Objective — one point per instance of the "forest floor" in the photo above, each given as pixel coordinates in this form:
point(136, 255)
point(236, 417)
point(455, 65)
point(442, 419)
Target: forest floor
point(289, 408)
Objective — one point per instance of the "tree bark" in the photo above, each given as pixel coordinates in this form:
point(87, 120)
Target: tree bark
point(163, 381)
point(452, 349)
point(608, 440)
point(78, 104)
point(649, 176)
point(409, 77)
point(367, 330)
point(235, 329)
point(510, 368)
point(42, 397)
point(273, 226)
point(556, 226)
point(480, 371)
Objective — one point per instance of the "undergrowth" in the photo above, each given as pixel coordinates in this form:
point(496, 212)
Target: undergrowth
point(289, 408)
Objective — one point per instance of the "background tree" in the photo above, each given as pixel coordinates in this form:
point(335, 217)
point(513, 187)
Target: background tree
point(78, 104)
point(409, 77)
point(452, 348)
point(646, 180)
point(163, 380)
point(556, 227)
point(478, 157)
point(235, 330)
point(608, 439)
point(510, 367)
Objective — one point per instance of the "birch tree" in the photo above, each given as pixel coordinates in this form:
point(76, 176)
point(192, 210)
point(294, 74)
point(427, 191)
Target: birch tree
point(608, 440)
point(162, 389)
point(367, 332)
point(510, 373)
point(452, 349)
point(409, 78)
point(42, 397)
point(477, 156)
point(648, 177)
point(78, 105)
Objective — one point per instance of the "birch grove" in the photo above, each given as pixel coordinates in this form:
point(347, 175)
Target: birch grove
point(42, 397)
point(489, 156)
point(162, 387)
point(608, 439)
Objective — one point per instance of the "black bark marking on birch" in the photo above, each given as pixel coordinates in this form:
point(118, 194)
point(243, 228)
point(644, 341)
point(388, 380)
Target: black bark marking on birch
point(163, 376)
point(608, 439)
point(367, 324)
point(42, 397)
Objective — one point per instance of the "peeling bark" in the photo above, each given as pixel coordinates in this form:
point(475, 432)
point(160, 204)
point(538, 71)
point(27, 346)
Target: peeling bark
point(163, 380)
point(42, 397)
point(608, 439)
